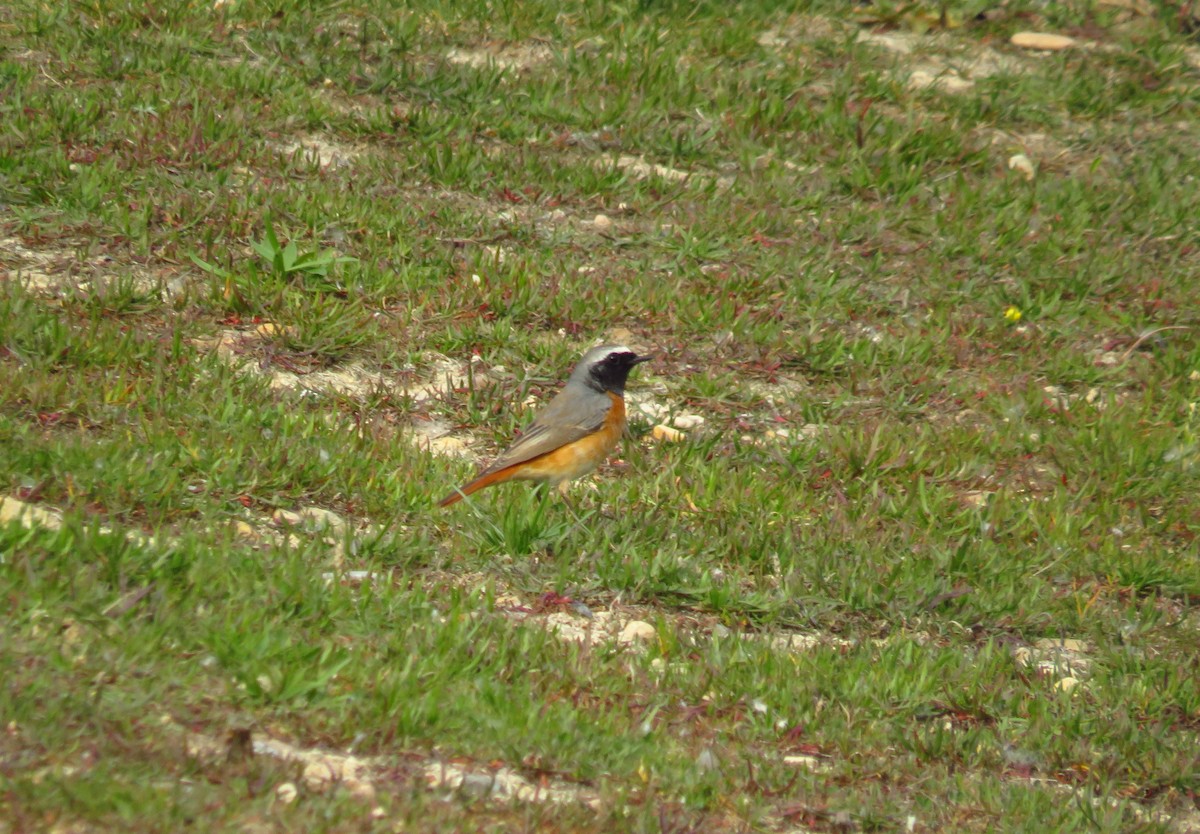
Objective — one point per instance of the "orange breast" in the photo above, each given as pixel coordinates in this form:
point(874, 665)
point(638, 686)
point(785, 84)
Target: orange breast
point(579, 458)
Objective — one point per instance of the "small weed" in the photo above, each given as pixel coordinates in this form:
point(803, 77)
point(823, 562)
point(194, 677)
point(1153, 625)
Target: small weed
point(286, 262)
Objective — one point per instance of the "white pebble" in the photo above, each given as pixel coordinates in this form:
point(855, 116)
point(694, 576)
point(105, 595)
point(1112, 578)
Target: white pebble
point(666, 434)
point(1066, 684)
point(1041, 40)
point(637, 631)
point(1023, 165)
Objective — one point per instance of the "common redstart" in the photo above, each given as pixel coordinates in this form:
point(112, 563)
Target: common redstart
point(574, 433)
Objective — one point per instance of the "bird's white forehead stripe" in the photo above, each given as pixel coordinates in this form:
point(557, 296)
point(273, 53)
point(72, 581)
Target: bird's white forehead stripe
point(601, 352)
point(610, 352)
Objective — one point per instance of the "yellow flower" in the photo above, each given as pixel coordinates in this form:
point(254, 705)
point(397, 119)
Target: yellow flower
point(1012, 314)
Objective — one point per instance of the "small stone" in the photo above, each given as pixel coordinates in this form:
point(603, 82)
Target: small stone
point(1065, 644)
point(658, 665)
point(286, 793)
point(477, 784)
point(621, 336)
point(287, 517)
point(947, 82)
point(602, 221)
point(28, 515)
point(1066, 684)
point(582, 610)
point(1042, 40)
point(1018, 757)
point(498, 254)
point(666, 434)
point(810, 431)
point(360, 790)
point(899, 42)
point(687, 421)
point(636, 631)
point(320, 519)
point(771, 38)
point(244, 530)
point(707, 760)
point(318, 776)
point(1023, 165)
point(721, 632)
point(350, 577)
point(795, 642)
point(648, 409)
point(975, 498)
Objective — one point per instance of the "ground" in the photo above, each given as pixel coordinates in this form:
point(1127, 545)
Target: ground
point(903, 536)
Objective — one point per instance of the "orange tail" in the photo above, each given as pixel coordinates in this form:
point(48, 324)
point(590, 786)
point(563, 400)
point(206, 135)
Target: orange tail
point(497, 477)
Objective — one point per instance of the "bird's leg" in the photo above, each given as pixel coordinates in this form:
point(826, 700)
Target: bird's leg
point(542, 490)
point(563, 487)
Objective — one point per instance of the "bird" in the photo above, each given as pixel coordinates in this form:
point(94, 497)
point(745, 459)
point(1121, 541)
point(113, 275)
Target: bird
point(574, 433)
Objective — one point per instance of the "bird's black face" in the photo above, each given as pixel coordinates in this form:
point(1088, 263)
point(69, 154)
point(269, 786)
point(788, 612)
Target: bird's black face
point(609, 372)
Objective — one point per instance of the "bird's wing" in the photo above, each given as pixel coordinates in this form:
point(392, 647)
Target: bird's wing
point(553, 429)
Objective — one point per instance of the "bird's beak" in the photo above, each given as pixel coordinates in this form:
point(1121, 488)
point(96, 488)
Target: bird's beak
point(640, 359)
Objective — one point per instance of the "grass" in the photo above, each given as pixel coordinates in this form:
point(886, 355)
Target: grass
point(949, 416)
